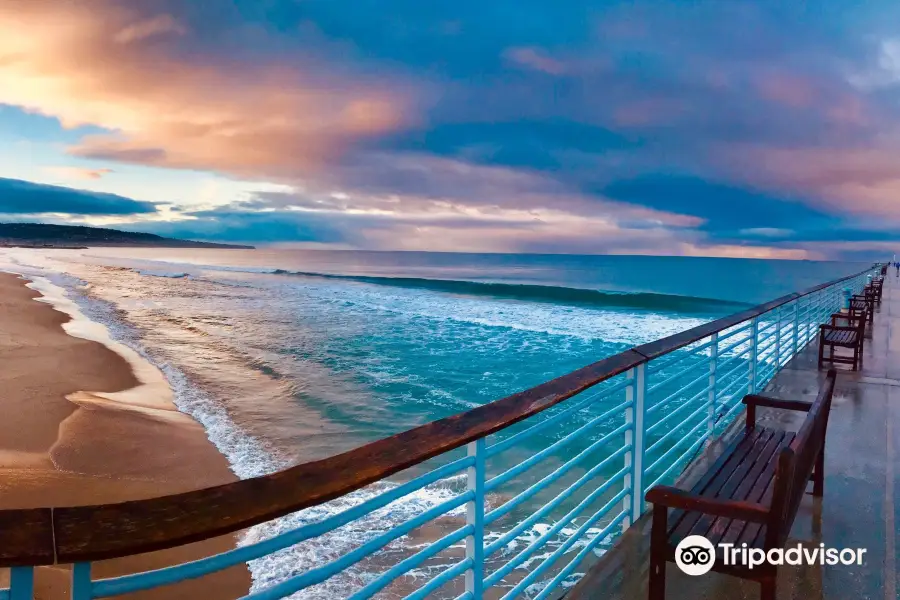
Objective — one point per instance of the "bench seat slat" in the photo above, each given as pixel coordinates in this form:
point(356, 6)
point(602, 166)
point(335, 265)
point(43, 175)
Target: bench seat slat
point(763, 472)
point(733, 482)
point(681, 522)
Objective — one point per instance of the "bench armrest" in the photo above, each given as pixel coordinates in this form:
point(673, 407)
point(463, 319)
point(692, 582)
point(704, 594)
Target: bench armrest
point(673, 497)
point(839, 328)
point(845, 317)
point(770, 402)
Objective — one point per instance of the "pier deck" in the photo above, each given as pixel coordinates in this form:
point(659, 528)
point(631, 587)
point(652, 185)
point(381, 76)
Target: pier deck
point(859, 508)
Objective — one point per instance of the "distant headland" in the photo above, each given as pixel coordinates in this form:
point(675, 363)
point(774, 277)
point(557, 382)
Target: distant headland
point(38, 235)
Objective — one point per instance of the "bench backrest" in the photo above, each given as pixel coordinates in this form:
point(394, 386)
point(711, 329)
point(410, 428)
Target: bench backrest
point(795, 466)
point(858, 306)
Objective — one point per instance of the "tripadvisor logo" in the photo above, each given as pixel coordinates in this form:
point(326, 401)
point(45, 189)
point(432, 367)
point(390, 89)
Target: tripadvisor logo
point(696, 555)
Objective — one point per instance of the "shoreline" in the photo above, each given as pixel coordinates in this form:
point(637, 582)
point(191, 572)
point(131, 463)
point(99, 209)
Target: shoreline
point(90, 421)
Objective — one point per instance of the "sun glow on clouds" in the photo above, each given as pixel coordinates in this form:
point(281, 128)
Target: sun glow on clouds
point(107, 65)
point(491, 131)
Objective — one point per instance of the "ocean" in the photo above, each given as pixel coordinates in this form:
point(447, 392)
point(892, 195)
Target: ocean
point(286, 356)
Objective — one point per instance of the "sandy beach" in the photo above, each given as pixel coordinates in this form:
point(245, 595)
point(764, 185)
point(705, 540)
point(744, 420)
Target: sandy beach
point(83, 424)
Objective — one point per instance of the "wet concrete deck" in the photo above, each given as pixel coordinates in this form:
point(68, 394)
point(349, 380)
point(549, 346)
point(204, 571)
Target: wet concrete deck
point(858, 510)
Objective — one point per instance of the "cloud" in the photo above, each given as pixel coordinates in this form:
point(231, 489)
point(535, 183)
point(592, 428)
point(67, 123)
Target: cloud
point(727, 128)
point(175, 104)
point(543, 144)
point(23, 197)
point(78, 172)
point(722, 207)
point(147, 28)
point(535, 59)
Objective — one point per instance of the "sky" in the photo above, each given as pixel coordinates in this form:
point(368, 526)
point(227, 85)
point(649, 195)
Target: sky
point(765, 128)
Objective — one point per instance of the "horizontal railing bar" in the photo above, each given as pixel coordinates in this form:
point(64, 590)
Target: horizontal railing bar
point(671, 378)
point(555, 502)
point(674, 395)
point(408, 564)
point(320, 574)
point(766, 330)
point(445, 576)
point(741, 365)
point(538, 427)
point(686, 404)
point(198, 568)
point(771, 335)
point(725, 392)
point(733, 345)
point(704, 407)
point(522, 556)
point(727, 415)
point(693, 448)
point(588, 548)
point(564, 547)
point(539, 456)
point(507, 506)
point(740, 361)
point(686, 436)
point(657, 365)
point(768, 374)
point(761, 354)
point(734, 332)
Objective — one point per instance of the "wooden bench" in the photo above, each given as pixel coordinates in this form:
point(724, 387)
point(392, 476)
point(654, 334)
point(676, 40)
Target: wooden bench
point(852, 336)
point(750, 494)
point(868, 296)
point(878, 285)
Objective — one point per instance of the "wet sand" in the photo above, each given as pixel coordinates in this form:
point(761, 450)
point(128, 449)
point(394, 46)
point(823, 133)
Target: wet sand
point(84, 425)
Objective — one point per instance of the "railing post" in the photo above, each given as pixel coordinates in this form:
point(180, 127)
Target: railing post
point(634, 436)
point(21, 583)
point(475, 518)
point(796, 332)
point(713, 361)
point(818, 311)
point(754, 346)
point(777, 339)
point(81, 581)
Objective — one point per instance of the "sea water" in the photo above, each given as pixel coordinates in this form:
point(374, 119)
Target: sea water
point(287, 356)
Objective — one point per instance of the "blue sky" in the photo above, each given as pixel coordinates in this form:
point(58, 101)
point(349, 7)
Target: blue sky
point(733, 128)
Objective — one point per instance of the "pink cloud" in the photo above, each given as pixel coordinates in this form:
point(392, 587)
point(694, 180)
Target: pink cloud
point(78, 172)
point(147, 28)
point(786, 88)
point(649, 111)
point(851, 180)
point(535, 59)
point(94, 64)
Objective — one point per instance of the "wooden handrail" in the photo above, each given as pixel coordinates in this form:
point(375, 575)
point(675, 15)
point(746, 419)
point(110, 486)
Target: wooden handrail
point(88, 533)
point(43, 536)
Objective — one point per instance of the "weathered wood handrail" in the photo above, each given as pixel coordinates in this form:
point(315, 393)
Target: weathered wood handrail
point(43, 536)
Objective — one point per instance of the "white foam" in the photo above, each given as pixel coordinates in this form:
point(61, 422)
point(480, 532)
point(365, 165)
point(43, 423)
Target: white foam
point(168, 274)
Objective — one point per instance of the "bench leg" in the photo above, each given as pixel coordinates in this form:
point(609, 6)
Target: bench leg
point(658, 553)
point(821, 348)
point(768, 589)
point(819, 475)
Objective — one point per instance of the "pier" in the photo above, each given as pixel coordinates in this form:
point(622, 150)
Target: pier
point(540, 494)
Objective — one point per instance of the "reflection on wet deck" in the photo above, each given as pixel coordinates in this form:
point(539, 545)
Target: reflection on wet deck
point(858, 510)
